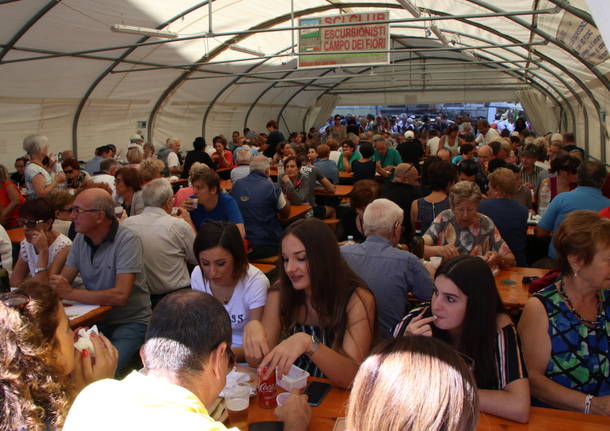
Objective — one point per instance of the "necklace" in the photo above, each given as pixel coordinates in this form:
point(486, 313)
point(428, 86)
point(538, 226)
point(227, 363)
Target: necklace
point(567, 301)
point(224, 298)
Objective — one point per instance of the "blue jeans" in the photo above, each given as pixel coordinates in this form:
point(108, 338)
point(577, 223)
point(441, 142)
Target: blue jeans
point(127, 338)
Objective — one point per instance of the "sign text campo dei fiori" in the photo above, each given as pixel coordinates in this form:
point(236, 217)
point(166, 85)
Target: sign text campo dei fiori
point(345, 45)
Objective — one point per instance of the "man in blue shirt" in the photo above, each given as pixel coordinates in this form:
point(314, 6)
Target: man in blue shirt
point(390, 273)
point(212, 204)
point(260, 201)
point(587, 196)
point(328, 168)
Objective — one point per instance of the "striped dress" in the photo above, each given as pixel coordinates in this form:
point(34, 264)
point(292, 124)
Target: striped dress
point(510, 365)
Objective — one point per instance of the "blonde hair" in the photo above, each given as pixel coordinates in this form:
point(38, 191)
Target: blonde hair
point(413, 383)
point(464, 191)
point(503, 180)
point(151, 169)
point(135, 155)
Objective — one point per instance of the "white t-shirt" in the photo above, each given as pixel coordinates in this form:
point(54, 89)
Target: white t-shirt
point(433, 145)
point(106, 179)
point(249, 293)
point(31, 170)
point(172, 160)
point(27, 252)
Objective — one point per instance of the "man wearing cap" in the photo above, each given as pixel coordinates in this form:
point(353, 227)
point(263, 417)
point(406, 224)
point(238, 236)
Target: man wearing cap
point(555, 147)
point(411, 150)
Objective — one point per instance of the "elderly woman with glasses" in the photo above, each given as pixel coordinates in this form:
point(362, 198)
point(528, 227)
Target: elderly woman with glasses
point(43, 252)
point(462, 229)
point(41, 370)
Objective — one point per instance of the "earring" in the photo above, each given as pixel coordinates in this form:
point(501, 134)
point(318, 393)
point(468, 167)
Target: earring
point(575, 274)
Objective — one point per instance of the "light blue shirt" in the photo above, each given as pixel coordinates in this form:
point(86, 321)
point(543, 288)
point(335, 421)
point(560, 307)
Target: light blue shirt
point(581, 198)
point(391, 274)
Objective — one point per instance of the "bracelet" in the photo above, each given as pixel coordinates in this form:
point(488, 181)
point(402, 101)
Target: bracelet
point(37, 270)
point(588, 400)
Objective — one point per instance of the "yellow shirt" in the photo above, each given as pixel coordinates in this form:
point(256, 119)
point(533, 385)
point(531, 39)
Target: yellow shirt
point(139, 402)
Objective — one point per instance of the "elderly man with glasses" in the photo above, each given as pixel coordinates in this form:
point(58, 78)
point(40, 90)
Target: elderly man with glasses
point(108, 257)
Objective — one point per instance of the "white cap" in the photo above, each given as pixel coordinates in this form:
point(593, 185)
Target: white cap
point(557, 137)
point(409, 134)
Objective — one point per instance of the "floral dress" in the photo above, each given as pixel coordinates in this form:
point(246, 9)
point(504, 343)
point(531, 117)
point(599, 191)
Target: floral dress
point(579, 353)
point(475, 240)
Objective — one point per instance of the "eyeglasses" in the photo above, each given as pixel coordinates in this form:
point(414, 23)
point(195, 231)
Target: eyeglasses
point(30, 224)
point(79, 211)
point(15, 300)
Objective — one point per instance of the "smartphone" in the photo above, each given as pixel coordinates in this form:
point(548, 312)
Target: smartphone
point(316, 393)
point(266, 426)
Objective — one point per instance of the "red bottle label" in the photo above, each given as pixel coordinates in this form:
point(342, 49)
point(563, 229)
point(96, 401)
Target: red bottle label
point(266, 391)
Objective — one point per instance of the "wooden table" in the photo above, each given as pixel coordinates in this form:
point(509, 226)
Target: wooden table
point(340, 191)
point(296, 212)
point(16, 235)
point(91, 317)
point(510, 285)
point(334, 405)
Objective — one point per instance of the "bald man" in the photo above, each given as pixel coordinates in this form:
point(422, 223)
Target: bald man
point(108, 257)
point(484, 155)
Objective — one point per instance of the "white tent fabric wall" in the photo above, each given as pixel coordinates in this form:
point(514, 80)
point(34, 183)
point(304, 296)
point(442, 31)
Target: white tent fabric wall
point(539, 111)
point(43, 96)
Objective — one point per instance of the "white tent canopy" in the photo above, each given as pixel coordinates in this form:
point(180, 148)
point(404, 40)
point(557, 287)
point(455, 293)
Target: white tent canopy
point(64, 74)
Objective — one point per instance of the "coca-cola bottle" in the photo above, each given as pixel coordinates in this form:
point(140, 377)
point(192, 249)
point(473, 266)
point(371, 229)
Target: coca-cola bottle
point(267, 390)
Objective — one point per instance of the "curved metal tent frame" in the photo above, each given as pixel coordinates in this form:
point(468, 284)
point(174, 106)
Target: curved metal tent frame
point(557, 74)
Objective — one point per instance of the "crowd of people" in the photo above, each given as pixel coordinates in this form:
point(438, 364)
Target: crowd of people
point(161, 238)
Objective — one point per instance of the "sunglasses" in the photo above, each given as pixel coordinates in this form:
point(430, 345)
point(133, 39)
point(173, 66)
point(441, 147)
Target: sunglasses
point(30, 224)
point(15, 300)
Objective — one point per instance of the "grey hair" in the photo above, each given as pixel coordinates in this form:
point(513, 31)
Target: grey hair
point(108, 164)
point(198, 167)
point(105, 204)
point(170, 142)
point(378, 138)
point(259, 164)
point(464, 191)
point(244, 156)
point(34, 144)
point(381, 216)
point(157, 192)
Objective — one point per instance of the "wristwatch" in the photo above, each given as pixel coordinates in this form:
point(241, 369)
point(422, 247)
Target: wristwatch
point(315, 343)
point(37, 270)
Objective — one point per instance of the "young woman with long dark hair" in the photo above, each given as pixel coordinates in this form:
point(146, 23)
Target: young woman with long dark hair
point(326, 309)
point(466, 311)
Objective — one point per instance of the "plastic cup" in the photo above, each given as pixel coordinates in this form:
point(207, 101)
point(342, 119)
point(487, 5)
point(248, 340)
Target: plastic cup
point(436, 261)
point(281, 398)
point(237, 401)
